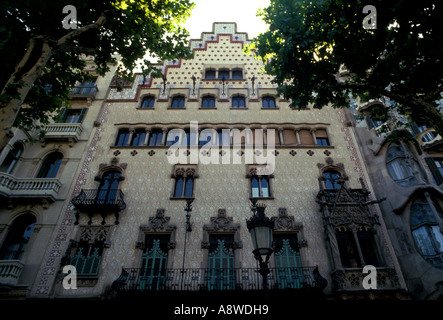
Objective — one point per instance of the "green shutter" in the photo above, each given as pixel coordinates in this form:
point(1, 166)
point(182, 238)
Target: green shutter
point(61, 118)
point(82, 115)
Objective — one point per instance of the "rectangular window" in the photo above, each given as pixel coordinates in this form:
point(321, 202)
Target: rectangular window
point(178, 102)
point(71, 115)
point(238, 102)
point(155, 138)
point(138, 137)
point(210, 74)
point(237, 74)
point(208, 102)
point(154, 261)
point(147, 102)
point(88, 257)
point(436, 167)
point(322, 142)
point(221, 263)
point(260, 187)
point(122, 137)
point(223, 73)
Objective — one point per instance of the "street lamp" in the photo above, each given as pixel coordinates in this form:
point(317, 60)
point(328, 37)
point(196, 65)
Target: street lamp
point(260, 227)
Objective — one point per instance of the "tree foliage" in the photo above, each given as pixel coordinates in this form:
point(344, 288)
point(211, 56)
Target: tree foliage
point(402, 59)
point(105, 29)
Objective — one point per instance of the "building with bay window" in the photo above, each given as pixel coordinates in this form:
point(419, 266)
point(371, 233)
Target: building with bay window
point(404, 164)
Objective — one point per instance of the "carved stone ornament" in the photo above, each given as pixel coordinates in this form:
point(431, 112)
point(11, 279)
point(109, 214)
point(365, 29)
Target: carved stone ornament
point(221, 223)
point(159, 222)
point(284, 222)
point(95, 233)
point(112, 165)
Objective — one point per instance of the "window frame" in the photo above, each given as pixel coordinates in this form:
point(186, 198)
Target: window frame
point(123, 132)
point(236, 99)
point(207, 98)
point(266, 100)
point(184, 174)
point(50, 170)
point(151, 100)
point(180, 98)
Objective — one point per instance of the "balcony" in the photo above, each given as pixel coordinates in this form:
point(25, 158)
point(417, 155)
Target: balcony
point(352, 279)
point(193, 280)
point(84, 92)
point(12, 187)
point(104, 202)
point(10, 271)
point(428, 137)
point(63, 132)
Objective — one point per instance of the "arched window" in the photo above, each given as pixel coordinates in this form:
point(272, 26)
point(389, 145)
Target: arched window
point(331, 178)
point(18, 237)
point(50, 165)
point(12, 158)
point(426, 231)
point(184, 187)
point(208, 102)
point(238, 102)
point(268, 102)
point(147, 102)
point(178, 102)
point(108, 188)
point(399, 166)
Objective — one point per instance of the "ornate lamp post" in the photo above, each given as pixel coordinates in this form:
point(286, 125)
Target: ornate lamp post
point(260, 228)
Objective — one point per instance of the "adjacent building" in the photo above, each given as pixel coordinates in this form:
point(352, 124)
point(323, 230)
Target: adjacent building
point(405, 163)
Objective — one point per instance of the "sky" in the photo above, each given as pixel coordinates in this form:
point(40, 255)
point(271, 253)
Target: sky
point(243, 12)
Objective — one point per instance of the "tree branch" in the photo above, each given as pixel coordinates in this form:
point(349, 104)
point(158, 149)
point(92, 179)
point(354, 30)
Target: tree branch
point(73, 34)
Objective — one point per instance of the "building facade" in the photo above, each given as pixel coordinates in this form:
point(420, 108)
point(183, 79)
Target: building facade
point(404, 163)
point(155, 194)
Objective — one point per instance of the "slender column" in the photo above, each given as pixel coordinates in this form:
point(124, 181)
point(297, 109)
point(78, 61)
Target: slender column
point(148, 133)
point(131, 133)
point(165, 134)
point(280, 134)
point(297, 135)
point(313, 136)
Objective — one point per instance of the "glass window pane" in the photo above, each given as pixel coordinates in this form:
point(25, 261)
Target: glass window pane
point(255, 187)
point(147, 102)
point(189, 187)
point(423, 241)
point(178, 191)
point(265, 187)
point(438, 236)
point(210, 74)
point(237, 74)
point(223, 73)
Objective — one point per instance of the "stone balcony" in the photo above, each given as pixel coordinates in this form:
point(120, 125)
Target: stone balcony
point(70, 132)
point(351, 279)
point(29, 188)
point(10, 271)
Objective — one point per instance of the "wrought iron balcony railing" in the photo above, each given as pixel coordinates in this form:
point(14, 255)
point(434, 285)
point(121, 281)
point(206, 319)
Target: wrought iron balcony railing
point(102, 201)
point(140, 279)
